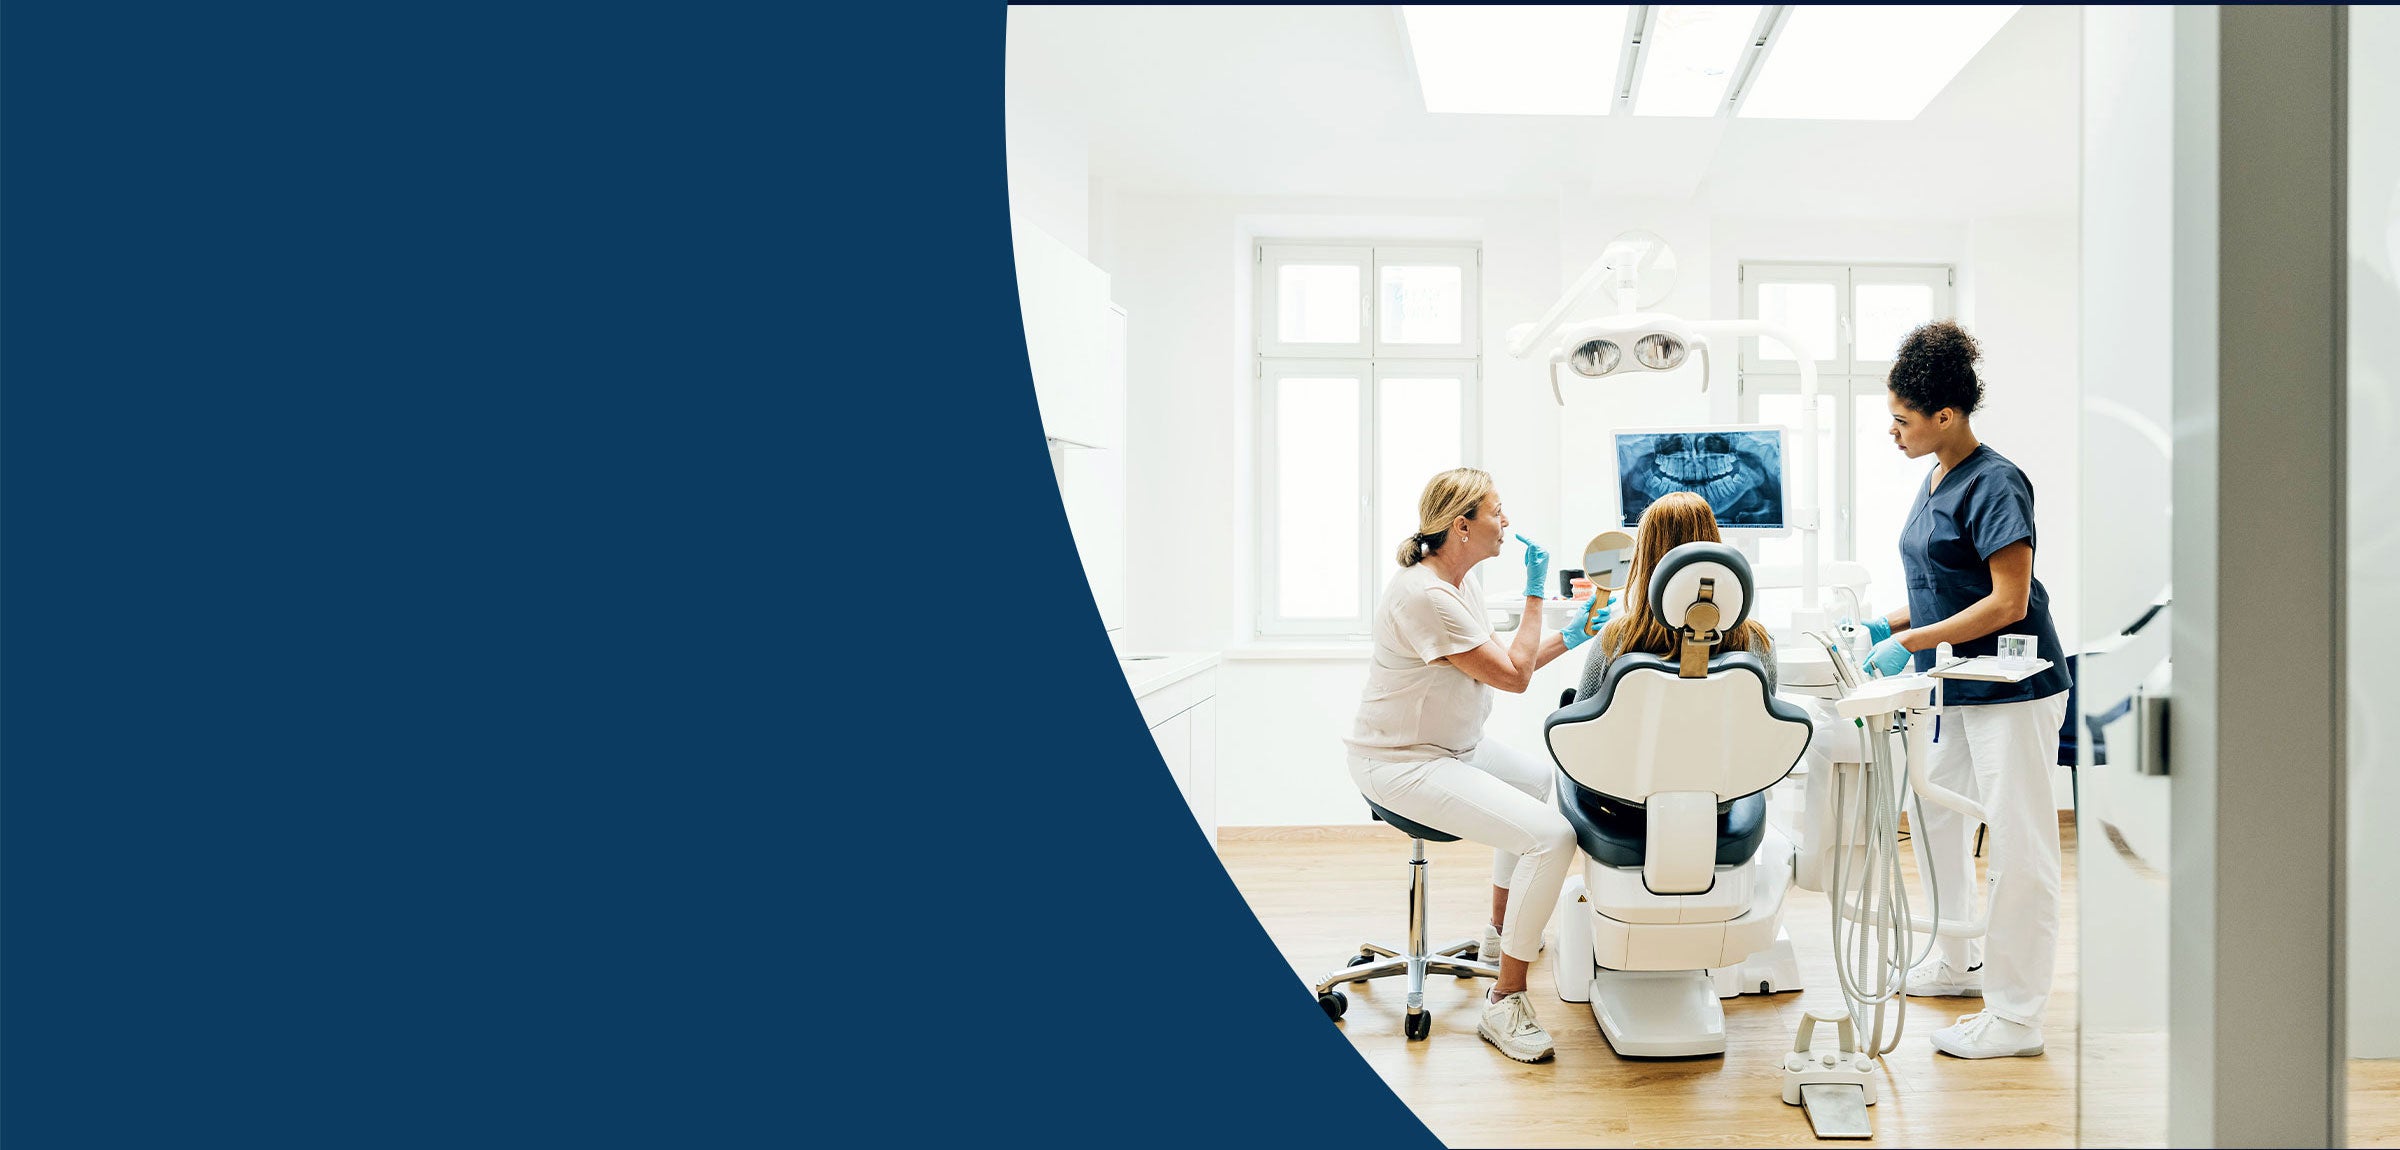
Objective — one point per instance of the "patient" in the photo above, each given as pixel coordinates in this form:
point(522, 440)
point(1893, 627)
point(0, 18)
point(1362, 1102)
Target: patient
point(1677, 518)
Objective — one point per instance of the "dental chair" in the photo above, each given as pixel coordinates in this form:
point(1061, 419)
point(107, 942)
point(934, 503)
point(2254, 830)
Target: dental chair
point(1663, 773)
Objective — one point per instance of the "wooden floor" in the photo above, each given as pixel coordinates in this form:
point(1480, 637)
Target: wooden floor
point(1320, 891)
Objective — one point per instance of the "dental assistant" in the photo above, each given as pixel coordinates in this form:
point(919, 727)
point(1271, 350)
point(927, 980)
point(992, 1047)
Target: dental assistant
point(1968, 550)
point(1417, 747)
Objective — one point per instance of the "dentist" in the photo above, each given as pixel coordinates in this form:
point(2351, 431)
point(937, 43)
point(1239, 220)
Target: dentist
point(1417, 747)
point(1968, 550)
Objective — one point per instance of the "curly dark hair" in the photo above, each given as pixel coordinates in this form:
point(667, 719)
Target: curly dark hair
point(1936, 369)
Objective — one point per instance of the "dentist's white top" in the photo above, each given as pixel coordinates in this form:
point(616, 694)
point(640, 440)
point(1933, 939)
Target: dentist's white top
point(1413, 707)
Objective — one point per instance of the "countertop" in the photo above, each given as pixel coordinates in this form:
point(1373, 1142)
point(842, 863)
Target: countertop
point(1147, 671)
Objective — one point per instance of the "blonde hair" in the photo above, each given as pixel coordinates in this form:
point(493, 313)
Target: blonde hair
point(1458, 491)
point(1677, 518)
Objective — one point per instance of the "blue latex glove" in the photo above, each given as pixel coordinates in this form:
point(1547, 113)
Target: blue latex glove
point(1594, 614)
point(1537, 569)
point(1888, 657)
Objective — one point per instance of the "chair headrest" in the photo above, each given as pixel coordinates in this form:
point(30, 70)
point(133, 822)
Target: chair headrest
point(1675, 586)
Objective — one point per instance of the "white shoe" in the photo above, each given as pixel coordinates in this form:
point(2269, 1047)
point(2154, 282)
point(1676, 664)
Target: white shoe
point(1987, 1035)
point(1934, 978)
point(1489, 951)
point(1509, 1025)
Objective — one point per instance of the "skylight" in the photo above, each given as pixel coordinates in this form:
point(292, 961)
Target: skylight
point(1516, 59)
point(1690, 56)
point(1867, 62)
point(1819, 61)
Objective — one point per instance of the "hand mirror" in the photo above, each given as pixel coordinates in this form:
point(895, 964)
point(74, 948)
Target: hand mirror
point(1608, 561)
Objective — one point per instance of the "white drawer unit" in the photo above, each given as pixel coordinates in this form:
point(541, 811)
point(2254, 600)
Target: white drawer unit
point(1178, 698)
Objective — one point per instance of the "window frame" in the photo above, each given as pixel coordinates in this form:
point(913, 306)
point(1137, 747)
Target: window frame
point(1845, 280)
point(1373, 362)
point(1273, 258)
point(1939, 277)
point(1755, 275)
point(1469, 262)
point(1272, 373)
point(1841, 391)
point(1843, 378)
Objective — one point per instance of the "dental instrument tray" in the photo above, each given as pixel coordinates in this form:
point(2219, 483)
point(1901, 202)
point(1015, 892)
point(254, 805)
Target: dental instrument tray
point(1991, 669)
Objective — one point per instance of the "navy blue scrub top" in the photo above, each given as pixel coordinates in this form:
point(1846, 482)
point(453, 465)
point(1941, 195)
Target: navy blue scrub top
point(1983, 505)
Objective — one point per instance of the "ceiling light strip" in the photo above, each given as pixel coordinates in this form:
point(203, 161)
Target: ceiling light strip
point(1640, 19)
point(1762, 41)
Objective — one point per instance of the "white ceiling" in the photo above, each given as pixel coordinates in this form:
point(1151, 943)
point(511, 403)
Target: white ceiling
point(1319, 101)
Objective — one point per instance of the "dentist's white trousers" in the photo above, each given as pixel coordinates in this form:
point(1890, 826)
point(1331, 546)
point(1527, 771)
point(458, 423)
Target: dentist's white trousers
point(1999, 755)
point(1495, 796)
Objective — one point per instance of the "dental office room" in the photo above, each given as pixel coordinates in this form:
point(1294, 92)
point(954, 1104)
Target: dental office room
point(1649, 538)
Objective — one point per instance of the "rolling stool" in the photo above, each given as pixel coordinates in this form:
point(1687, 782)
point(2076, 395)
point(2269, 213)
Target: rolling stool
point(1457, 959)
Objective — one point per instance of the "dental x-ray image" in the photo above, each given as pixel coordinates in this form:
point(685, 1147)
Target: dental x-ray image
point(1738, 470)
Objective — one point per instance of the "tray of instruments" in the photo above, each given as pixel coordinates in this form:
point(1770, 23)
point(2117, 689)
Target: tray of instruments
point(1991, 669)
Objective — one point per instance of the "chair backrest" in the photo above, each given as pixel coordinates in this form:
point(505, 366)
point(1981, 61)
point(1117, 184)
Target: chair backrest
point(1692, 723)
point(1649, 729)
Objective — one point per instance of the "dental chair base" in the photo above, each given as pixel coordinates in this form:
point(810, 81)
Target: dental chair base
point(1659, 964)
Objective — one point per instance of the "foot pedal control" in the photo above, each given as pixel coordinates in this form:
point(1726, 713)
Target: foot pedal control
point(1835, 1087)
point(1836, 1109)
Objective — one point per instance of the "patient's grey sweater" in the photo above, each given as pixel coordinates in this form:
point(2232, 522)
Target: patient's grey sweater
point(1595, 668)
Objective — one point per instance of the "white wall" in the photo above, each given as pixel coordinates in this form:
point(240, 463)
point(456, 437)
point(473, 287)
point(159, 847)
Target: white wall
point(1049, 154)
point(1177, 263)
point(2018, 295)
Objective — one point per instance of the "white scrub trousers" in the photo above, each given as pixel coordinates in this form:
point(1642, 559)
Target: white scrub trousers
point(1495, 796)
point(2000, 755)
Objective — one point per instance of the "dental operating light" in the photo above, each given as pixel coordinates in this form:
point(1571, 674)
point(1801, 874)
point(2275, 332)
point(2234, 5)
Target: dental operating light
point(1637, 269)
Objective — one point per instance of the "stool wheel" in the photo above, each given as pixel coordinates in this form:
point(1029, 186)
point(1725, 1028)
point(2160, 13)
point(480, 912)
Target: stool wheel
point(1333, 1002)
point(1360, 960)
point(1419, 1026)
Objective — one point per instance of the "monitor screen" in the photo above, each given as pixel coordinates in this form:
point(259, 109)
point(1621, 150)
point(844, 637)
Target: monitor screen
point(1738, 470)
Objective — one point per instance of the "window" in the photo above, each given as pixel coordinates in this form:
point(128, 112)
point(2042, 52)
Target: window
point(1369, 361)
point(1852, 319)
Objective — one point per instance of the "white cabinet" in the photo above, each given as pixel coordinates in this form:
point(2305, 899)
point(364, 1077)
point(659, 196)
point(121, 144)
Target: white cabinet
point(1091, 482)
point(1200, 783)
point(1075, 343)
point(1179, 702)
point(1064, 300)
point(1174, 738)
point(1188, 743)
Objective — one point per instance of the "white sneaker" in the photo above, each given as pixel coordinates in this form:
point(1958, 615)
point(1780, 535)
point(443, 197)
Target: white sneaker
point(1489, 951)
point(1509, 1025)
point(1987, 1035)
point(1934, 978)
